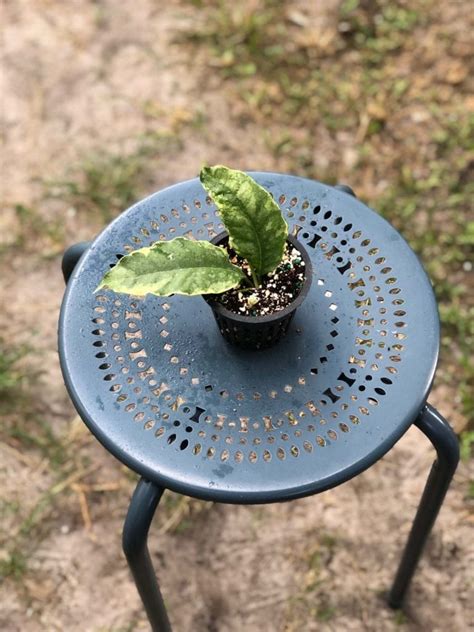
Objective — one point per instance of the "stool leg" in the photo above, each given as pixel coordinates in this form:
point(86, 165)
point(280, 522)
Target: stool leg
point(441, 435)
point(71, 257)
point(142, 508)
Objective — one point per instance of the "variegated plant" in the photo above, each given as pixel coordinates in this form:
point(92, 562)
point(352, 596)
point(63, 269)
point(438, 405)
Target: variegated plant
point(257, 232)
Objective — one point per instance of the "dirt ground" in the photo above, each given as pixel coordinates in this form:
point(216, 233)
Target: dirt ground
point(87, 81)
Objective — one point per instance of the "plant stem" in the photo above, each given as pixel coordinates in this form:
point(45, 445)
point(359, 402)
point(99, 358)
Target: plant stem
point(246, 289)
point(247, 280)
point(255, 280)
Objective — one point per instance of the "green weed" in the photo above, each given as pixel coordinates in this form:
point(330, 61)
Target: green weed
point(400, 618)
point(11, 375)
point(242, 39)
point(466, 444)
point(470, 490)
point(325, 613)
point(106, 184)
point(20, 546)
point(32, 227)
point(14, 565)
point(377, 28)
point(177, 512)
point(301, 606)
point(39, 434)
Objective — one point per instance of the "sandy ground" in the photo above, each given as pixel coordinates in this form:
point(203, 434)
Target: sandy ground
point(81, 76)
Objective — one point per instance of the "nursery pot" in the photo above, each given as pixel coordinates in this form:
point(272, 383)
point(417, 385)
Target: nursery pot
point(258, 332)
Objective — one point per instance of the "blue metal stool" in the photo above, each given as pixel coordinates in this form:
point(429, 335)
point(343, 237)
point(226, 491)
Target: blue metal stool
point(158, 386)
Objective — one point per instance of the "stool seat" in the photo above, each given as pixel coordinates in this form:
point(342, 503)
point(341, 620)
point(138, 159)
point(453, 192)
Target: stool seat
point(157, 384)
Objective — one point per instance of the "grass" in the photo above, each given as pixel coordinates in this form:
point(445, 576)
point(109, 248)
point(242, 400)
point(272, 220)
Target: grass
point(40, 436)
point(103, 183)
point(470, 491)
point(27, 523)
point(106, 183)
point(281, 70)
point(325, 613)
point(310, 601)
point(9, 376)
point(24, 433)
point(28, 533)
point(467, 445)
point(12, 376)
point(178, 513)
point(400, 618)
point(22, 425)
point(31, 224)
point(241, 39)
point(14, 565)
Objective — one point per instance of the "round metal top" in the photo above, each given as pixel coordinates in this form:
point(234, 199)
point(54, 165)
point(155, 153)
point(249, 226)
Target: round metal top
point(156, 383)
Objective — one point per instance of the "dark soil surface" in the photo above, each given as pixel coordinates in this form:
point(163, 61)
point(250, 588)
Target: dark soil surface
point(277, 290)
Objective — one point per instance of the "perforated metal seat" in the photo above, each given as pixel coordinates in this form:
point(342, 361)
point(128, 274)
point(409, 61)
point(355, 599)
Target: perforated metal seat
point(159, 387)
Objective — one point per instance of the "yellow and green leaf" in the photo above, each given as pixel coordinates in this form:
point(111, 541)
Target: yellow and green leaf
point(256, 227)
point(179, 266)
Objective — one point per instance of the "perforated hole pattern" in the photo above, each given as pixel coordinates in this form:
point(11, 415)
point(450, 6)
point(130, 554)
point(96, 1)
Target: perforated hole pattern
point(174, 414)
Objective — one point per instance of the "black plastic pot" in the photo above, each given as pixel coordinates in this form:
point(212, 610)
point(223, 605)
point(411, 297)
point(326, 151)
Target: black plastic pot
point(259, 332)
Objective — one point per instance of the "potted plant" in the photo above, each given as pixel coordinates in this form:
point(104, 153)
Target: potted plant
point(253, 276)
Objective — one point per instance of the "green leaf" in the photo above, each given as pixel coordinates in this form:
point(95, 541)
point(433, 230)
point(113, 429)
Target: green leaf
point(179, 266)
point(257, 230)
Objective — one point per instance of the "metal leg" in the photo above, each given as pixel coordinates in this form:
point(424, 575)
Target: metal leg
point(441, 435)
point(142, 508)
point(71, 257)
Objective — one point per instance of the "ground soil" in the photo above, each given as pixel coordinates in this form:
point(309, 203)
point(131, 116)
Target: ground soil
point(79, 77)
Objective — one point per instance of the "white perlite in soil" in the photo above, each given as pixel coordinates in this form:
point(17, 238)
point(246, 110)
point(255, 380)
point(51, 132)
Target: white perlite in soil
point(277, 290)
